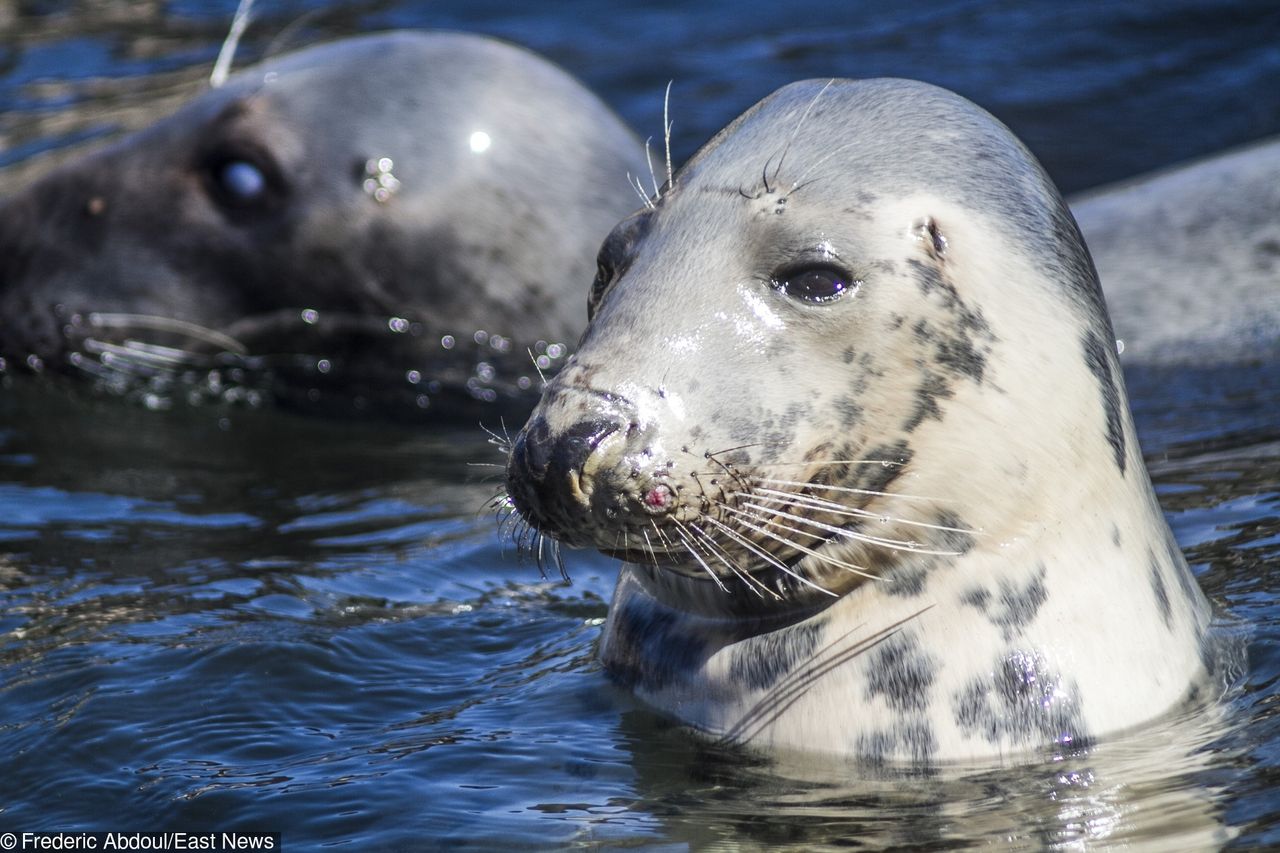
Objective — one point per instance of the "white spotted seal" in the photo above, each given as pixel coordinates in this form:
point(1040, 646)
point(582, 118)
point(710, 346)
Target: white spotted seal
point(849, 409)
point(451, 181)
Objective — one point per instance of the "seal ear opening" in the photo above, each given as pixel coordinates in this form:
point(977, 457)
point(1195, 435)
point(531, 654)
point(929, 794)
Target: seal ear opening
point(928, 232)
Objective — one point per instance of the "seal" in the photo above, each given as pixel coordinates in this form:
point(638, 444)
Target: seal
point(1189, 258)
point(450, 181)
point(849, 408)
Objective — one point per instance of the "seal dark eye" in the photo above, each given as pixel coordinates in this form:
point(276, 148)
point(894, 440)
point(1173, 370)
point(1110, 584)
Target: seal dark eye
point(818, 284)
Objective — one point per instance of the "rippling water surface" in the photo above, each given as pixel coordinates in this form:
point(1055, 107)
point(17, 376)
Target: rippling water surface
point(216, 617)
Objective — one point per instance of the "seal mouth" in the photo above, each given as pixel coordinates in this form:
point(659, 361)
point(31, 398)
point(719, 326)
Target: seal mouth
point(302, 358)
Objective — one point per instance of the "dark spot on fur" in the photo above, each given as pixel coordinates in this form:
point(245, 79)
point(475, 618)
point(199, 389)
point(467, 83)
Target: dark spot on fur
point(960, 355)
point(907, 580)
point(877, 478)
point(847, 355)
point(848, 409)
point(901, 673)
point(1097, 355)
point(977, 597)
point(932, 388)
point(1015, 608)
point(957, 538)
point(912, 739)
point(762, 661)
point(1161, 592)
point(1115, 536)
point(1023, 703)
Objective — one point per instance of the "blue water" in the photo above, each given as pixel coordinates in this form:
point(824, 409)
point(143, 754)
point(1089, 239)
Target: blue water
point(220, 618)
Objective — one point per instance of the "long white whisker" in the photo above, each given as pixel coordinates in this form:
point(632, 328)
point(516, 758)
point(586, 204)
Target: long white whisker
point(800, 124)
point(892, 544)
point(764, 531)
point(835, 508)
point(653, 176)
point(850, 490)
point(718, 551)
point(746, 518)
point(639, 188)
point(666, 132)
point(694, 553)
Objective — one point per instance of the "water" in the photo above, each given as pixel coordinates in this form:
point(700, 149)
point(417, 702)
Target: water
point(214, 617)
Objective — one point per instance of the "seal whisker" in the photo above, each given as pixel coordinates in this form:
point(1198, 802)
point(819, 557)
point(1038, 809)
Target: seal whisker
point(755, 549)
point(796, 132)
point(783, 695)
point(718, 551)
point(653, 177)
point(693, 552)
point(666, 135)
point(892, 544)
point(853, 490)
point(639, 188)
point(771, 521)
point(836, 508)
point(108, 320)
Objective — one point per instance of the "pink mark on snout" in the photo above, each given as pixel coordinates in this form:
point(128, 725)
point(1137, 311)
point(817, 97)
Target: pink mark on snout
point(659, 497)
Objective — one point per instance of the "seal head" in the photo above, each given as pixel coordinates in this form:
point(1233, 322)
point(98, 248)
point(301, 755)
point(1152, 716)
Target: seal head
point(849, 407)
point(450, 180)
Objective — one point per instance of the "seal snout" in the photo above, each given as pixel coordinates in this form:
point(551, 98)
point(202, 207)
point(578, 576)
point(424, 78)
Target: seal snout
point(552, 476)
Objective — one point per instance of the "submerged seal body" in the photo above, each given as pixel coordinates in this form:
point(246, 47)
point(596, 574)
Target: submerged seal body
point(849, 409)
point(451, 181)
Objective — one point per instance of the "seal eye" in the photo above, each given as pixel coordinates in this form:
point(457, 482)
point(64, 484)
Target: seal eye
point(817, 284)
point(241, 180)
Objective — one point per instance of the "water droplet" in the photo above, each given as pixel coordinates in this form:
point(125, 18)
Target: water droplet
point(555, 350)
point(1119, 346)
point(34, 363)
point(543, 362)
point(310, 316)
point(399, 325)
point(447, 342)
point(413, 377)
point(485, 371)
point(524, 383)
point(324, 365)
point(480, 336)
point(422, 400)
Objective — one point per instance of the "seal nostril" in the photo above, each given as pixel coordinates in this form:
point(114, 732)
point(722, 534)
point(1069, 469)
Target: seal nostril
point(533, 449)
point(577, 443)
